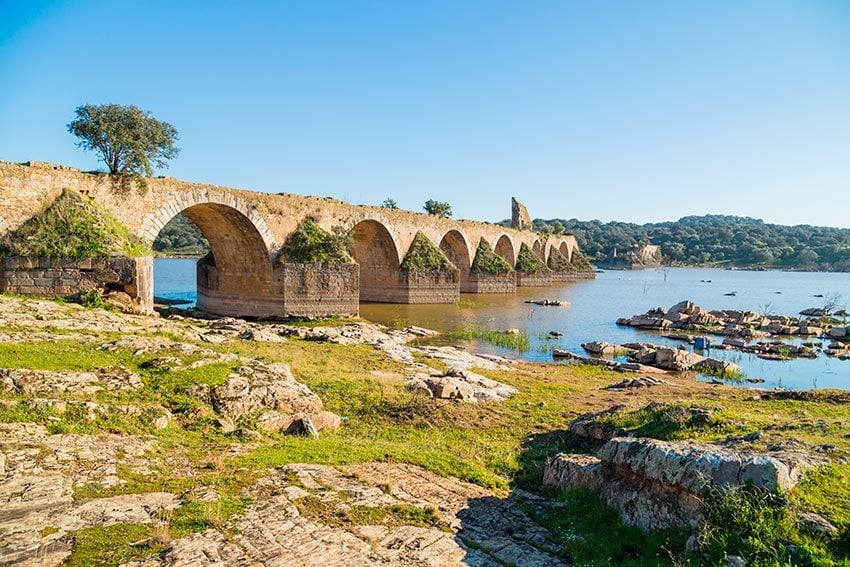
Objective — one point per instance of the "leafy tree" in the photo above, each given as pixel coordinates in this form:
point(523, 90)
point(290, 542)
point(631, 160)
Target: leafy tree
point(714, 240)
point(389, 204)
point(130, 141)
point(438, 208)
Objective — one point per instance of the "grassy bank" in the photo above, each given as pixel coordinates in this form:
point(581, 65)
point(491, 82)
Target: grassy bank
point(496, 445)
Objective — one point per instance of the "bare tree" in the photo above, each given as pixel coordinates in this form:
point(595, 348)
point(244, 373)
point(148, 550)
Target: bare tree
point(833, 302)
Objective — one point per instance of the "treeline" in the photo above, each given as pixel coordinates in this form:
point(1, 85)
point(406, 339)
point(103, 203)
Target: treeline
point(180, 237)
point(715, 240)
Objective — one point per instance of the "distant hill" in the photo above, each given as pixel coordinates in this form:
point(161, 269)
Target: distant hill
point(715, 240)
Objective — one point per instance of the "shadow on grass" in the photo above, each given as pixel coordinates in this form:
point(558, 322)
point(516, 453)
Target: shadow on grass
point(535, 526)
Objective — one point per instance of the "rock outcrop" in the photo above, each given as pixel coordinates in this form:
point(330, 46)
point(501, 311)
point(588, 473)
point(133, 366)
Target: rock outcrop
point(656, 484)
point(729, 323)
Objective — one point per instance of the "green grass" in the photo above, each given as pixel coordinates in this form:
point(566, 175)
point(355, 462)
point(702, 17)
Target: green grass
point(518, 341)
point(496, 445)
point(592, 534)
point(114, 545)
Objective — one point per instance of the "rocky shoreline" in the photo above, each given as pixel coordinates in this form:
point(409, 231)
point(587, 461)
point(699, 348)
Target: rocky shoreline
point(170, 428)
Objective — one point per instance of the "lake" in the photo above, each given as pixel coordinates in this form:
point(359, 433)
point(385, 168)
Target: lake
point(595, 305)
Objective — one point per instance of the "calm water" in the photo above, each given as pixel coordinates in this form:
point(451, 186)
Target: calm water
point(595, 306)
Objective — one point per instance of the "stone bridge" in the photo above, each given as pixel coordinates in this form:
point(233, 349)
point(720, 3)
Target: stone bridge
point(246, 230)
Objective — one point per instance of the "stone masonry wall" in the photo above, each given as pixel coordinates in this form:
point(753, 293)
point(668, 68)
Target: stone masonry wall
point(430, 287)
point(63, 277)
point(479, 282)
point(542, 279)
point(316, 291)
point(573, 276)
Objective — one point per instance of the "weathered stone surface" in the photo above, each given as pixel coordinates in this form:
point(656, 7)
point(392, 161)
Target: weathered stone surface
point(656, 484)
point(45, 382)
point(461, 385)
point(260, 386)
point(36, 478)
point(483, 529)
point(602, 348)
point(676, 359)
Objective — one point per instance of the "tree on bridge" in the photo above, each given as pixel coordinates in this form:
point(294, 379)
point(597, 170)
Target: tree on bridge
point(438, 208)
point(130, 141)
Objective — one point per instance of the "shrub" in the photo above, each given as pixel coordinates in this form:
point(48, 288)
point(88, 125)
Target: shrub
point(489, 262)
point(311, 244)
point(580, 261)
point(527, 261)
point(557, 262)
point(75, 227)
point(426, 256)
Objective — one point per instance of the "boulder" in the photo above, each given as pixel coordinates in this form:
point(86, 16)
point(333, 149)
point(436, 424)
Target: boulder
point(837, 332)
point(601, 348)
point(657, 484)
point(676, 359)
point(260, 387)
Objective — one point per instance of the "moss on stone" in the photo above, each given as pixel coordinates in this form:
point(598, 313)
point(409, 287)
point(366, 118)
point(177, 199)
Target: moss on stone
point(528, 262)
point(75, 227)
point(557, 262)
point(424, 255)
point(311, 244)
point(487, 261)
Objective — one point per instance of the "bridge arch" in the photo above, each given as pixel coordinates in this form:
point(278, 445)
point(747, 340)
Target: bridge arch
point(566, 251)
point(456, 248)
point(505, 248)
point(235, 278)
point(374, 248)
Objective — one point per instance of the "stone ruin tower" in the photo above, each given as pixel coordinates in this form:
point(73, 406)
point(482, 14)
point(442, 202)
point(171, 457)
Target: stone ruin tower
point(520, 219)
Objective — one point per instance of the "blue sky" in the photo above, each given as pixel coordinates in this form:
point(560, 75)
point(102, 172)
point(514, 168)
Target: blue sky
point(636, 111)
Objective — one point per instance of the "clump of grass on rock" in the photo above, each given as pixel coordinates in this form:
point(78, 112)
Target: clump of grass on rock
point(75, 227)
point(488, 262)
point(424, 255)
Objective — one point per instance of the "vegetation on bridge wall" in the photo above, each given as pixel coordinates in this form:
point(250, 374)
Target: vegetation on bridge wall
point(73, 227)
point(528, 262)
point(488, 262)
point(557, 262)
point(426, 256)
point(311, 244)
